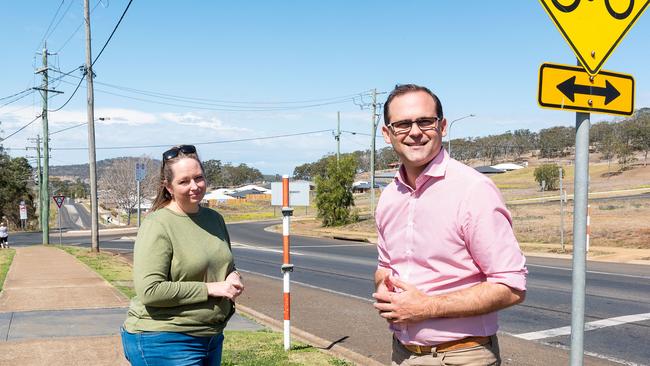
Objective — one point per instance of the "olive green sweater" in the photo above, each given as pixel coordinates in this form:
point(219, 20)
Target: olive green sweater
point(174, 256)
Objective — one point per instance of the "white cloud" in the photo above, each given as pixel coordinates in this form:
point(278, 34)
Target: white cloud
point(203, 121)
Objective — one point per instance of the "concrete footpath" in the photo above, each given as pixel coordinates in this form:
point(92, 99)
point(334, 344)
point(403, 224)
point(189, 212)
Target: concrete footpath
point(54, 310)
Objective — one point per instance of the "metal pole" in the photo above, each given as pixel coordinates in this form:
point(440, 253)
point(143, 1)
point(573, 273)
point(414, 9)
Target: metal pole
point(59, 214)
point(138, 203)
point(45, 195)
point(287, 267)
point(581, 190)
point(338, 136)
point(561, 211)
point(372, 152)
point(92, 160)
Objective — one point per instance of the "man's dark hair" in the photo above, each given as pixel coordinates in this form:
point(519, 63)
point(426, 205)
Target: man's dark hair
point(401, 89)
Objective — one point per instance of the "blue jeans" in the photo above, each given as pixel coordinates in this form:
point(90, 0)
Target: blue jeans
point(171, 349)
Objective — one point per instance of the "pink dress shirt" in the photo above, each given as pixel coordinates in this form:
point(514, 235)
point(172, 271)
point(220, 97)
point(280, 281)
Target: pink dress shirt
point(451, 232)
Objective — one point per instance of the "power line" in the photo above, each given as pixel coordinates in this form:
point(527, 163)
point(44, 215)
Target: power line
point(77, 30)
point(22, 128)
point(96, 58)
point(198, 143)
point(13, 95)
point(224, 103)
point(113, 32)
point(50, 26)
point(226, 108)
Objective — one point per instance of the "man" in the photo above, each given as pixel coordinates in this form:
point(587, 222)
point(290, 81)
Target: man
point(448, 258)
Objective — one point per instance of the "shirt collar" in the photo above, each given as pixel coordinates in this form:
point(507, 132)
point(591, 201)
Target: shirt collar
point(435, 168)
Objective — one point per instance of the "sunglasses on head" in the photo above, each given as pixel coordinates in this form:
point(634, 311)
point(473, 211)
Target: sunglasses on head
point(174, 151)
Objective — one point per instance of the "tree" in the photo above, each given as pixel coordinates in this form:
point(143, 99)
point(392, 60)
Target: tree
point(15, 177)
point(334, 191)
point(550, 174)
point(118, 186)
point(555, 140)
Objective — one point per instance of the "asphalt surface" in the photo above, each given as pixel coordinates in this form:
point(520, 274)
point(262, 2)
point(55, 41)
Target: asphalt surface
point(337, 278)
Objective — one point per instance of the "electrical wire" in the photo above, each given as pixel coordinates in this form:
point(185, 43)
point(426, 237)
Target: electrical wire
point(50, 26)
point(68, 128)
point(15, 100)
point(225, 107)
point(198, 143)
point(22, 128)
point(77, 30)
point(20, 92)
point(96, 58)
point(60, 19)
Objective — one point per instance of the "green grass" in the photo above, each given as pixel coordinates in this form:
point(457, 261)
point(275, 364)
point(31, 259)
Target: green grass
point(6, 257)
point(241, 348)
point(245, 348)
point(114, 270)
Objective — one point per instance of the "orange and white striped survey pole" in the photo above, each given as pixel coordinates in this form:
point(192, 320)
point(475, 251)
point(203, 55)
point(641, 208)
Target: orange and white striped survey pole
point(287, 267)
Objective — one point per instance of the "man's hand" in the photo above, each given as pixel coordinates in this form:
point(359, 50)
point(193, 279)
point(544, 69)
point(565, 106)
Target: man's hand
point(400, 302)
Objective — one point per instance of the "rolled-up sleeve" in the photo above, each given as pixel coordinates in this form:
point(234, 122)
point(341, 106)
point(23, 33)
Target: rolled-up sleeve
point(490, 238)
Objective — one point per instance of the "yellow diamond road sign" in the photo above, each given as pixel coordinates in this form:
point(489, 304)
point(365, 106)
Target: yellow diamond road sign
point(572, 88)
point(593, 28)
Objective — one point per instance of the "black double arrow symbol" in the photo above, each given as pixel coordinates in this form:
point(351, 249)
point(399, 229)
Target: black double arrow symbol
point(570, 89)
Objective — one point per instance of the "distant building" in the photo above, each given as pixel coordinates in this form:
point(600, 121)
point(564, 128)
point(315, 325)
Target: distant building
point(488, 170)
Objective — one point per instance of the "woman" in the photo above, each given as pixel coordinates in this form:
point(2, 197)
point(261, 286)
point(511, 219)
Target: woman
point(4, 235)
point(183, 273)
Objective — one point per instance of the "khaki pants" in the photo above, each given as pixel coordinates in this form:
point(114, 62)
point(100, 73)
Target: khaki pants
point(485, 355)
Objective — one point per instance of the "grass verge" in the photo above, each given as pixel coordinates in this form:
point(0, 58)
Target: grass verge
point(242, 348)
point(6, 257)
point(114, 269)
point(245, 348)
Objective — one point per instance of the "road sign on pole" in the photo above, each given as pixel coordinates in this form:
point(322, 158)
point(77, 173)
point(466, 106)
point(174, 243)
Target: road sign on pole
point(23, 210)
point(572, 88)
point(594, 28)
point(58, 200)
point(139, 172)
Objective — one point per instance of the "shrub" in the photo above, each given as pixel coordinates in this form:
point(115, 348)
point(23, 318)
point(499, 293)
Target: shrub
point(549, 173)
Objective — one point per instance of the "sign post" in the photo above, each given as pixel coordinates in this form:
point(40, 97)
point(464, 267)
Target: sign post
point(59, 201)
point(139, 177)
point(592, 29)
point(23, 214)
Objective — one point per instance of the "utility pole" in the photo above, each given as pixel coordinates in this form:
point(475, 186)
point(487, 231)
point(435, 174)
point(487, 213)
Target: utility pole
point(94, 237)
point(39, 175)
point(372, 152)
point(45, 196)
point(338, 137)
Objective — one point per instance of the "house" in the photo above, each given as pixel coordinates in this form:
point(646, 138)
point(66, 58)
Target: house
point(488, 170)
point(507, 166)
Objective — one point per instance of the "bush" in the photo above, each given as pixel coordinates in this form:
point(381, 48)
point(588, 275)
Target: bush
point(549, 173)
point(334, 192)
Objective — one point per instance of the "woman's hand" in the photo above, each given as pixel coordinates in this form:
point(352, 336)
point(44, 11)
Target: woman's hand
point(230, 288)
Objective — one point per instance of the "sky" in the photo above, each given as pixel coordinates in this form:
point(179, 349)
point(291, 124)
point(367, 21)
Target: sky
point(261, 82)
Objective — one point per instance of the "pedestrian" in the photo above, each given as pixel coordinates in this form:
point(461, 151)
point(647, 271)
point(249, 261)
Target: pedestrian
point(184, 275)
point(4, 235)
point(448, 259)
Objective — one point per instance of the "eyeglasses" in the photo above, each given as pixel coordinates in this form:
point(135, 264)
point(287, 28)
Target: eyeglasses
point(173, 152)
point(424, 124)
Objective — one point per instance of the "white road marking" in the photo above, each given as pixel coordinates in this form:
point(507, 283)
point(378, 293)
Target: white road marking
point(371, 300)
point(595, 272)
point(610, 322)
point(263, 249)
point(331, 246)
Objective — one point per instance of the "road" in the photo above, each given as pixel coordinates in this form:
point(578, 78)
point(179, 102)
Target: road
point(613, 290)
point(617, 301)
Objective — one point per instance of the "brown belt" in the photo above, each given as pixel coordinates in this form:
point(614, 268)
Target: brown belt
point(462, 343)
